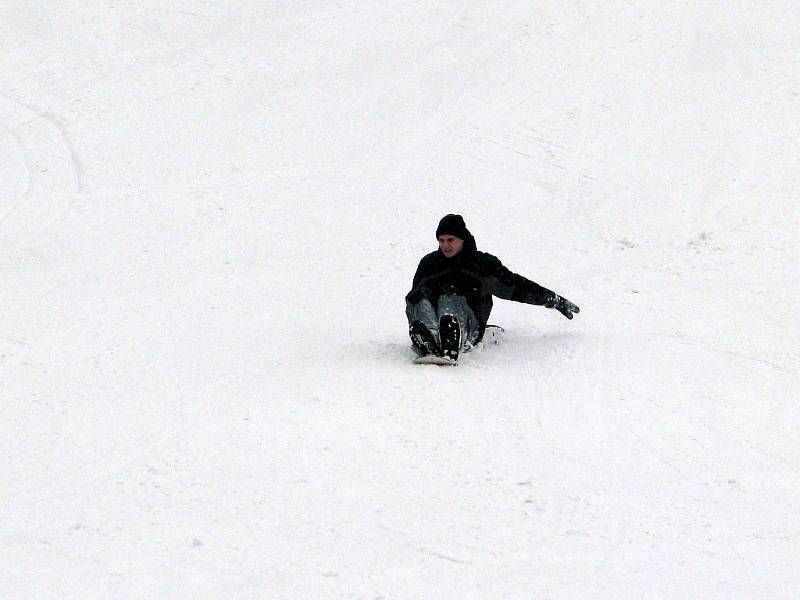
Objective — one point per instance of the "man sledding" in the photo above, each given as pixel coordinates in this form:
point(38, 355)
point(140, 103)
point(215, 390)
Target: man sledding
point(450, 301)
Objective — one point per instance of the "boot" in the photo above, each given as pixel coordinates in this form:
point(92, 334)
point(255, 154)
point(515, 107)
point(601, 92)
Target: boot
point(423, 340)
point(450, 337)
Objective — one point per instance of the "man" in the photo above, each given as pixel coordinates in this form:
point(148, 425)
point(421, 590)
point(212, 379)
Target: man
point(451, 297)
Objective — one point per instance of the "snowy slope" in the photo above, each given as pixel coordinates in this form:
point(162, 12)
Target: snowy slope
point(210, 214)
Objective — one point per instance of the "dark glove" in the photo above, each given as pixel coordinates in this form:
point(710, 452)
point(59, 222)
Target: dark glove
point(562, 305)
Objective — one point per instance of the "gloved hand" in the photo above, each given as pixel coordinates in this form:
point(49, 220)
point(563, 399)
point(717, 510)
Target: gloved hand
point(562, 305)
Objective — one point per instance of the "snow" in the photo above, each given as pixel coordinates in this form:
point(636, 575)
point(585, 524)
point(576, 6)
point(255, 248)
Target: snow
point(210, 214)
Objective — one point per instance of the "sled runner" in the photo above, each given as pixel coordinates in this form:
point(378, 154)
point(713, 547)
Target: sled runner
point(432, 359)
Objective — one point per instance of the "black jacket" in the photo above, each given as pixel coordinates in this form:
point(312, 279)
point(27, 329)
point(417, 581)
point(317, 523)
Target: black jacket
point(475, 275)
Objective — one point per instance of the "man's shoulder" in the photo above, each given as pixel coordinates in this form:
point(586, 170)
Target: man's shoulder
point(475, 257)
point(428, 261)
point(485, 255)
point(486, 260)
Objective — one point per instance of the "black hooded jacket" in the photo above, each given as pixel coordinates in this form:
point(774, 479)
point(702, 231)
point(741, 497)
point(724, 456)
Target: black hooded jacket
point(475, 275)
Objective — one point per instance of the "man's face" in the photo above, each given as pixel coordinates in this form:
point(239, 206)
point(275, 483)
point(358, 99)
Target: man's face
point(450, 245)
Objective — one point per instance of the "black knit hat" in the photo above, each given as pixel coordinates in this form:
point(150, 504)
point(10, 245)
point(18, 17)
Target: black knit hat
point(453, 225)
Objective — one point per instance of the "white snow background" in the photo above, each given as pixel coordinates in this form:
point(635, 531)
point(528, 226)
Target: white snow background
point(210, 214)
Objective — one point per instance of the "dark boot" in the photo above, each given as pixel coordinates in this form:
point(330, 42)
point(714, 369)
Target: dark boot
point(423, 340)
point(450, 337)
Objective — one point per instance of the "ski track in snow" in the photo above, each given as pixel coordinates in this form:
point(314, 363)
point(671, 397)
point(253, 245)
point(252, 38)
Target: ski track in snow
point(209, 217)
point(50, 159)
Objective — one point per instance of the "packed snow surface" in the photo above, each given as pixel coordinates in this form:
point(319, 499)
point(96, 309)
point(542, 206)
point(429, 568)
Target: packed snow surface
point(210, 214)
